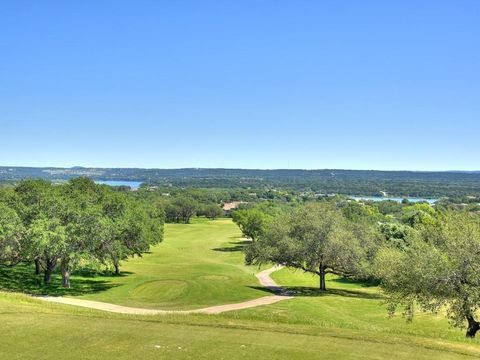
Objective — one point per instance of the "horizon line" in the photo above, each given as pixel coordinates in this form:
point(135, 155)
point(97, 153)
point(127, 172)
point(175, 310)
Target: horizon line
point(233, 168)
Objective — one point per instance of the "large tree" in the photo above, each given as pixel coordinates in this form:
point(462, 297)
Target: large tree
point(127, 229)
point(315, 238)
point(211, 211)
point(181, 209)
point(439, 269)
point(38, 206)
point(12, 234)
point(107, 226)
point(252, 222)
point(47, 241)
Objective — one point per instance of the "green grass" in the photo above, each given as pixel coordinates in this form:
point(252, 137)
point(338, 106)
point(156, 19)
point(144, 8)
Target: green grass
point(349, 322)
point(197, 265)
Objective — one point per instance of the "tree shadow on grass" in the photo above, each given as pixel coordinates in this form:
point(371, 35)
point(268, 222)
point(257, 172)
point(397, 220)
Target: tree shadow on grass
point(91, 273)
point(238, 246)
point(307, 291)
point(229, 249)
point(366, 284)
point(22, 279)
point(236, 237)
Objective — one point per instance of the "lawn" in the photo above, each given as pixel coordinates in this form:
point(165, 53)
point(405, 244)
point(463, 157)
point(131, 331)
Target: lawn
point(199, 265)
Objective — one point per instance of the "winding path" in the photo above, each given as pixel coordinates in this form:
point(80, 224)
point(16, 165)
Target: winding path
point(263, 277)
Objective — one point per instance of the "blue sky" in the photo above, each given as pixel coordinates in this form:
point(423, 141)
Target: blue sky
point(252, 84)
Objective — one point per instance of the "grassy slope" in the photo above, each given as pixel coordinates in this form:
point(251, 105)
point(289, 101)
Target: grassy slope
point(347, 323)
point(197, 265)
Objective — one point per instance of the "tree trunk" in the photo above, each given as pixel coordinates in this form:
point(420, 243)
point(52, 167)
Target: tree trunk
point(37, 266)
point(473, 327)
point(323, 287)
point(117, 269)
point(65, 273)
point(47, 274)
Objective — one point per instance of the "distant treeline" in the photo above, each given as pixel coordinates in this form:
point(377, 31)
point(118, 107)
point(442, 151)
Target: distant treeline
point(349, 182)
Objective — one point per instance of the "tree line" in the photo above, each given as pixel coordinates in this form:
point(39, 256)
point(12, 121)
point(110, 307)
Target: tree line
point(349, 182)
point(183, 208)
point(66, 226)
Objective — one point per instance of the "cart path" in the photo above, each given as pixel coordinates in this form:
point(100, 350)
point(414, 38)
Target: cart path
point(263, 277)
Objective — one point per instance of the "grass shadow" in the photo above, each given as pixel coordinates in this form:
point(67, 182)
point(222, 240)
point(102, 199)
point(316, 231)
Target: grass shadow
point(362, 283)
point(238, 246)
point(21, 278)
point(307, 291)
point(229, 249)
point(267, 290)
point(93, 273)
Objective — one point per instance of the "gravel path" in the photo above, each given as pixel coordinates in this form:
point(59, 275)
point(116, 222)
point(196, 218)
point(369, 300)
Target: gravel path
point(263, 277)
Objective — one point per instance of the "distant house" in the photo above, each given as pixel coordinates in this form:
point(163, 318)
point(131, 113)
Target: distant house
point(230, 206)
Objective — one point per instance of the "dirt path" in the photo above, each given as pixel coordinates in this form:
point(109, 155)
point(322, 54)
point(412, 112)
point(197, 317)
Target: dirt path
point(263, 277)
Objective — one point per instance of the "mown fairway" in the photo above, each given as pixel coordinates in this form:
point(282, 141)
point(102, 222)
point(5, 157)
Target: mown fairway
point(201, 265)
point(197, 265)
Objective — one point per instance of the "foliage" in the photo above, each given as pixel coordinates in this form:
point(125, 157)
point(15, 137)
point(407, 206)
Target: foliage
point(210, 211)
point(251, 222)
point(419, 214)
point(181, 209)
point(318, 239)
point(439, 268)
point(12, 235)
point(355, 211)
point(396, 234)
point(79, 222)
point(349, 182)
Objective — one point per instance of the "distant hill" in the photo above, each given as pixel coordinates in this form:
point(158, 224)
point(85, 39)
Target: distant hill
point(352, 182)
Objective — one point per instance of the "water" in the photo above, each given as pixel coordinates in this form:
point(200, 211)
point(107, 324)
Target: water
point(381, 198)
point(132, 184)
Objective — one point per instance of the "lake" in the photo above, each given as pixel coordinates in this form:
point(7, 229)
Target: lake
point(381, 198)
point(132, 184)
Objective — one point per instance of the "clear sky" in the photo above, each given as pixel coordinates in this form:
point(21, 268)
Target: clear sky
point(239, 83)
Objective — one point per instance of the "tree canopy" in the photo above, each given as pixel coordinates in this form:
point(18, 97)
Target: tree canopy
point(315, 238)
point(181, 209)
point(77, 222)
point(438, 269)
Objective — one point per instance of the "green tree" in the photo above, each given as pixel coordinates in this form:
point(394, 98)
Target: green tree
point(34, 200)
point(47, 240)
point(396, 234)
point(181, 209)
point(315, 238)
point(438, 269)
point(356, 211)
point(252, 222)
point(128, 231)
point(12, 233)
point(80, 222)
point(419, 214)
point(211, 211)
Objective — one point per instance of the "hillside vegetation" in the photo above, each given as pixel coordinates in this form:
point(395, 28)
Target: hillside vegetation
point(350, 182)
